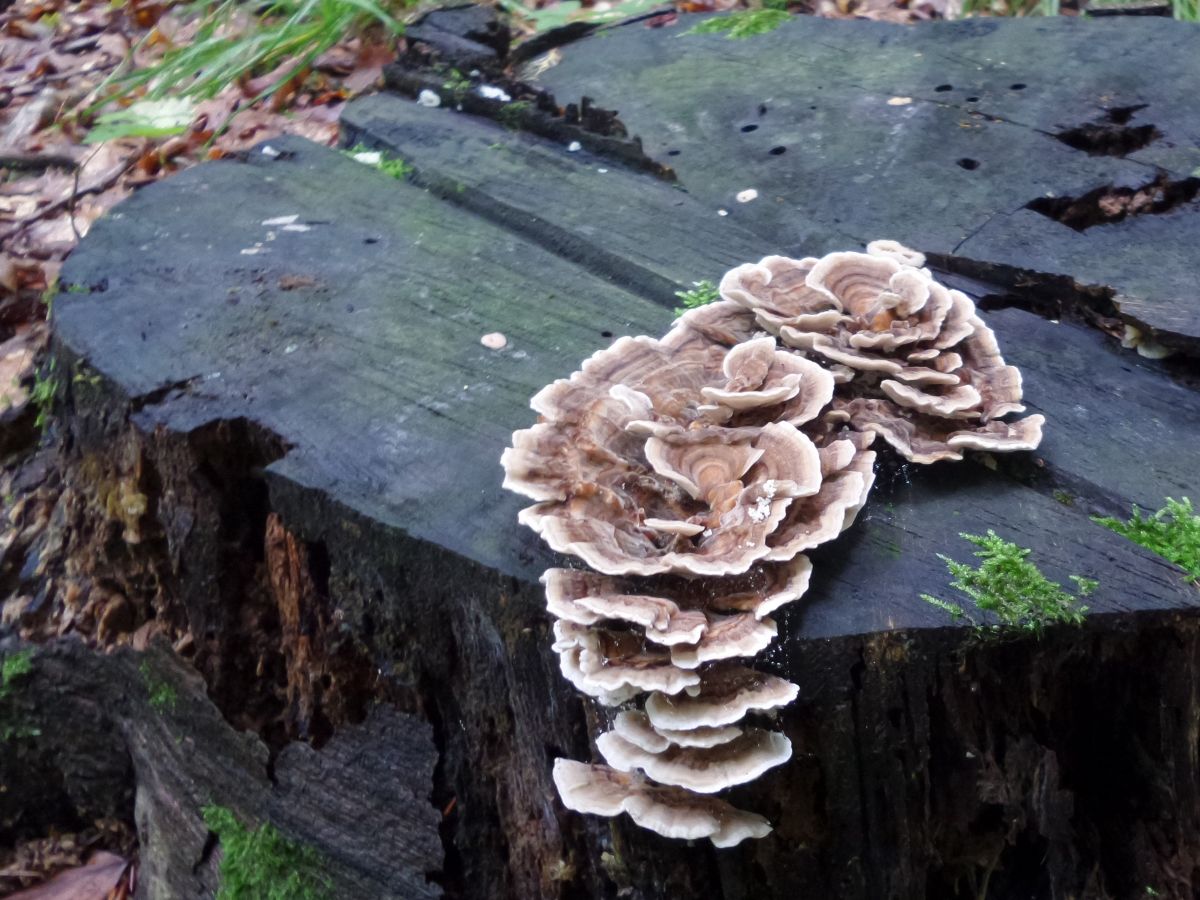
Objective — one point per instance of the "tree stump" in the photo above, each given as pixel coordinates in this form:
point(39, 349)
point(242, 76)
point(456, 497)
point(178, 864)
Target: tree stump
point(282, 422)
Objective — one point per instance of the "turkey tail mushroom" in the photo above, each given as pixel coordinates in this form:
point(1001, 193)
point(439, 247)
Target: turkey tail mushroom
point(690, 473)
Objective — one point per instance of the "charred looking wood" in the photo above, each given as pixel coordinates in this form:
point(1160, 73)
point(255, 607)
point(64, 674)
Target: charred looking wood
point(1109, 204)
point(598, 130)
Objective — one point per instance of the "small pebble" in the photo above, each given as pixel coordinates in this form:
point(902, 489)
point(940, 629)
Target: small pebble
point(900, 101)
point(574, 147)
point(722, 212)
point(428, 98)
point(494, 341)
point(747, 195)
point(270, 152)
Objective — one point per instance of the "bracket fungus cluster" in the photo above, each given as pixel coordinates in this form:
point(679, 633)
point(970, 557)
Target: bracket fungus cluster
point(691, 473)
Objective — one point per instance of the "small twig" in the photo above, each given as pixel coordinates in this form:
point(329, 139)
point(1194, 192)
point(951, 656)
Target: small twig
point(69, 202)
point(36, 161)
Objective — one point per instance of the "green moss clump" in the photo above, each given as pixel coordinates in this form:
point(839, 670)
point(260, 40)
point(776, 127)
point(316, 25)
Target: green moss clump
point(162, 696)
point(511, 114)
point(743, 24)
point(388, 165)
point(702, 293)
point(14, 666)
point(1173, 533)
point(1008, 585)
point(262, 864)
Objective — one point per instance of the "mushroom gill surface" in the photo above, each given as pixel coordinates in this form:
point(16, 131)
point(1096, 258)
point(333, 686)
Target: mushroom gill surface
point(689, 474)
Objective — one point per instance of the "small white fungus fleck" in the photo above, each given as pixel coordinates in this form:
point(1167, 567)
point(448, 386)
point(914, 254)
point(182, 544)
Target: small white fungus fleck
point(494, 341)
point(494, 93)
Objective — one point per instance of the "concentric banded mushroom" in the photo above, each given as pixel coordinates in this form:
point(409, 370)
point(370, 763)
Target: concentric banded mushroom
point(705, 770)
point(690, 473)
point(919, 347)
point(670, 811)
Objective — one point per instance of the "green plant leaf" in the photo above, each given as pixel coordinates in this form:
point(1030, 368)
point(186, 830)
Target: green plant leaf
point(146, 118)
point(742, 24)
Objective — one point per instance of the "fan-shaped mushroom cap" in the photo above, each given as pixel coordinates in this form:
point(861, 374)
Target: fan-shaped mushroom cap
point(924, 439)
point(726, 693)
point(723, 322)
point(950, 404)
point(730, 545)
point(704, 736)
point(599, 661)
point(670, 811)
point(581, 596)
point(811, 521)
point(704, 770)
point(700, 467)
point(634, 725)
point(896, 251)
point(726, 637)
point(789, 459)
point(662, 619)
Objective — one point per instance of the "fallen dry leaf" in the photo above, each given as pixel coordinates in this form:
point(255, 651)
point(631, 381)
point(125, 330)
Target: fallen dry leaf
point(17, 357)
point(100, 877)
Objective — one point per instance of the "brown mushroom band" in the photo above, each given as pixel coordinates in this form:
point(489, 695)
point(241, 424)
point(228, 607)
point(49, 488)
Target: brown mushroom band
point(690, 474)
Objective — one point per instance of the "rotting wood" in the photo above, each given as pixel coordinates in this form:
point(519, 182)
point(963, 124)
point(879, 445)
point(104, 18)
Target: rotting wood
point(91, 724)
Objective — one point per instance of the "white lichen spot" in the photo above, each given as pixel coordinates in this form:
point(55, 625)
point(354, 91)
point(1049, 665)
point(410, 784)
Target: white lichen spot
point(280, 220)
point(297, 227)
point(747, 195)
point(602, 171)
point(899, 101)
point(291, 348)
point(494, 341)
point(428, 98)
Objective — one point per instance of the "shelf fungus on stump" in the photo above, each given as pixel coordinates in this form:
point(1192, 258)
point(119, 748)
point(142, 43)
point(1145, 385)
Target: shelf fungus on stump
point(690, 473)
